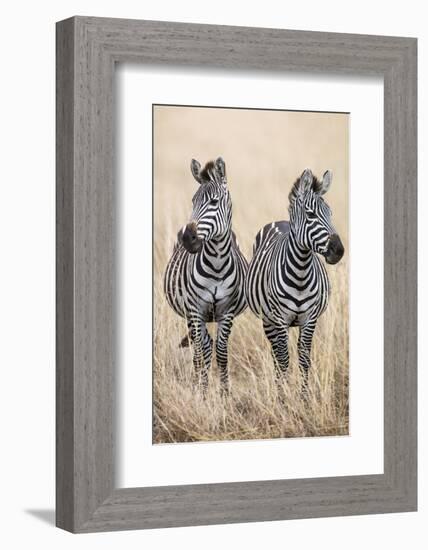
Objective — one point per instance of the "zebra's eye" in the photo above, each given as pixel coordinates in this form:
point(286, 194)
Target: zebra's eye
point(213, 201)
point(311, 215)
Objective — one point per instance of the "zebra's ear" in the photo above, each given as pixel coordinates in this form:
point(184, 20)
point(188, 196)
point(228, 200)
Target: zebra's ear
point(326, 182)
point(195, 167)
point(221, 167)
point(306, 181)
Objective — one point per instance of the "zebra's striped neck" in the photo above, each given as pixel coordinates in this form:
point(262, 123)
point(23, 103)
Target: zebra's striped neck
point(298, 257)
point(218, 248)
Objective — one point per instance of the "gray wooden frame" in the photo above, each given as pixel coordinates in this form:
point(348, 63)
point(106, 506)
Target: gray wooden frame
point(87, 50)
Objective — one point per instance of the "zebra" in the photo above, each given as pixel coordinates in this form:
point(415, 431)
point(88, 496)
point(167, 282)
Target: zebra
point(287, 284)
point(204, 278)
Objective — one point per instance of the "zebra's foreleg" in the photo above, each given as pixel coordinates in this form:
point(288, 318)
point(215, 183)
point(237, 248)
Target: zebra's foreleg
point(278, 337)
point(224, 328)
point(202, 351)
point(304, 346)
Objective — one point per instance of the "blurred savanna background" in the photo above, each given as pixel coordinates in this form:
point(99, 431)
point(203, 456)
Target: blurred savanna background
point(265, 151)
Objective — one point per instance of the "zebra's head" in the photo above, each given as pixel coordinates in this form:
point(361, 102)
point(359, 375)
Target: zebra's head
point(212, 206)
point(310, 217)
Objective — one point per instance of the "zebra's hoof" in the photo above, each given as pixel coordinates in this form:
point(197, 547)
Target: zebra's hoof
point(225, 392)
point(305, 394)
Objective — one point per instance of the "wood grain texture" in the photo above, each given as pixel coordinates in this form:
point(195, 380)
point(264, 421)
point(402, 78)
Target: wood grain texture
point(87, 49)
point(64, 276)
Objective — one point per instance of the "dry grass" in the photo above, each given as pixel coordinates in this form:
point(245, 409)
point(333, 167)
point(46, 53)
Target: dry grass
point(253, 410)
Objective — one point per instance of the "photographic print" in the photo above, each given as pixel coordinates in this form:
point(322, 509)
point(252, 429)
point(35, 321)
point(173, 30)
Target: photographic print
point(250, 274)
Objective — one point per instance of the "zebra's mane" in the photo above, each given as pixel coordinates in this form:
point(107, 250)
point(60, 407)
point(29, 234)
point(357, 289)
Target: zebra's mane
point(316, 187)
point(209, 172)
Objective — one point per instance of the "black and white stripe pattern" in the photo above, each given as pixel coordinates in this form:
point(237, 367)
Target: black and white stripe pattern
point(204, 279)
point(287, 284)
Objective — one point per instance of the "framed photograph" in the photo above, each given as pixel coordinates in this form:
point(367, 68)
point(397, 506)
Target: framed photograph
point(236, 274)
point(240, 327)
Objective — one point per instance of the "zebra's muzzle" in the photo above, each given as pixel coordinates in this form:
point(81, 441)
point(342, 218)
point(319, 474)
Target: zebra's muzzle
point(335, 250)
point(191, 242)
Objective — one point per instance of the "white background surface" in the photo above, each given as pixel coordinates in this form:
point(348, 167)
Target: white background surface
point(27, 275)
point(362, 451)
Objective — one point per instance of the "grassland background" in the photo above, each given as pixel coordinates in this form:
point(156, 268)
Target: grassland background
point(264, 152)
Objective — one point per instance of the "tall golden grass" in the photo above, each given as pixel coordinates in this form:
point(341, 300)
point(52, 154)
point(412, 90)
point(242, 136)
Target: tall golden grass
point(254, 409)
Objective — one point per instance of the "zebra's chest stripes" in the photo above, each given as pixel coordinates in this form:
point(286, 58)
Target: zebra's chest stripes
point(301, 289)
point(283, 282)
point(206, 283)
